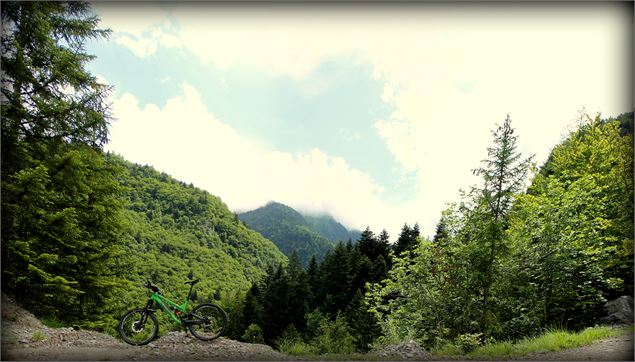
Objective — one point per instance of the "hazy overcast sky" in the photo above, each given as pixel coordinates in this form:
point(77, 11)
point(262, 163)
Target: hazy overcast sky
point(374, 113)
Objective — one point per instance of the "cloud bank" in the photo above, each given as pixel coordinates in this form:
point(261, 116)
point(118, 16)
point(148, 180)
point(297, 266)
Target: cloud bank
point(450, 73)
point(184, 139)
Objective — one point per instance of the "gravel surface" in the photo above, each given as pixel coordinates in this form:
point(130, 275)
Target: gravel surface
point(611, 349)
point(24, 337)
point(404, 351)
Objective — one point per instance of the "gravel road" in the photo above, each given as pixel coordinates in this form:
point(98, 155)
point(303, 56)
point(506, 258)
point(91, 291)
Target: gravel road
point(24, 337)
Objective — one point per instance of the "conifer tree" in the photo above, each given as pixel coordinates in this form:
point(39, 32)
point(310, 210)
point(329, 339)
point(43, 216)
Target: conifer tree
point(299, 292)
point(504, 174)
point(336, 278)
point(407, 239)
point(312, 274)
point(60, 202)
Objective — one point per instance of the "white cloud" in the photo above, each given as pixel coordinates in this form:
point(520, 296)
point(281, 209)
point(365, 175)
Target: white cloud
point(450, 72)
point(139, 27)
point(184, 139)
point(143, 46)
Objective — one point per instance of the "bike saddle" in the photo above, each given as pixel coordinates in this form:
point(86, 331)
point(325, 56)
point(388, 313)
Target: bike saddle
point(154, 288)
point(192, 282)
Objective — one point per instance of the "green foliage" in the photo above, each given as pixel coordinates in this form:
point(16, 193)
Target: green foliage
point(253, 334)
point(469, 341)
point(576, 226)
point(363, 325)
point(60, 201)
point(328, 227)
point(284, 299)
point(295, 347)
point(553, 340)
point(407, 239)
point(52, 322)
point(507, 265)
point(289, 230)
point(176, 232)
point(47, 93)
point(38, 336)
point(324, 302)
point(334, 337)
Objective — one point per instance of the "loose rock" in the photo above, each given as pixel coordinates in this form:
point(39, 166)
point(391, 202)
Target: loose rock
point(403, 351)
point(619, 311)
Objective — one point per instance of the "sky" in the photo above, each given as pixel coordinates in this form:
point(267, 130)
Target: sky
point(373, 113)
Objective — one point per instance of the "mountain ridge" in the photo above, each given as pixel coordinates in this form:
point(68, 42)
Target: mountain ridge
point(289, 230)
point(177, 231)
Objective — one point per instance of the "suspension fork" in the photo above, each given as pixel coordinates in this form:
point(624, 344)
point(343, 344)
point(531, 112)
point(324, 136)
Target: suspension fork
point(147, 310)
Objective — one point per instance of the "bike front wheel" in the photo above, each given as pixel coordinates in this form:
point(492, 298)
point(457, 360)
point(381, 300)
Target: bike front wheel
point(207, 322)
point(138, 327)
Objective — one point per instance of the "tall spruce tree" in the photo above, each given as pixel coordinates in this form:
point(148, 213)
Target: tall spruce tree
point(407, 239)
point(60, 203)
point(504, 174)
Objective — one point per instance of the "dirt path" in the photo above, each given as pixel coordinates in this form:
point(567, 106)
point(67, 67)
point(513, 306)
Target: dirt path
point(24, 337)
point(219, 350)
point(611, 349)
point(179, 347)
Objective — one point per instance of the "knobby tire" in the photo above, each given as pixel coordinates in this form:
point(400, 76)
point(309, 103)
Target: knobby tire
point(129, 327)
point(212, 322)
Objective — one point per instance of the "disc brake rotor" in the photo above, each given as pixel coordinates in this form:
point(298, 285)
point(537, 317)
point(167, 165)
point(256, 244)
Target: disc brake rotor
point(137, 327)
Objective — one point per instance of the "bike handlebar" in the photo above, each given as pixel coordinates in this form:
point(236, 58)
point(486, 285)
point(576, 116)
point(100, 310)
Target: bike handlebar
point(153, 288)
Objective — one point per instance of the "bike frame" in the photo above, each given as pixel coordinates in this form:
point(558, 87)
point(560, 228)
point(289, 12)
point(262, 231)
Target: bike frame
point(166, 303)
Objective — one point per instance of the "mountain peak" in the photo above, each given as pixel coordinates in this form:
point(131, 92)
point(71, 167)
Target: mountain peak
point(290, 230)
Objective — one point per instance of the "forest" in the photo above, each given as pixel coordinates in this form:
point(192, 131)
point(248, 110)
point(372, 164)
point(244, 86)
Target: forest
point(528, 249)
point(308, 235)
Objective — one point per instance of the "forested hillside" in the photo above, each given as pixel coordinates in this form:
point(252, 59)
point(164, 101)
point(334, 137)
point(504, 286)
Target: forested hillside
point(330, 228)
point(526, 250)
point(81, 230)
point(289, 230)
point(321, 305)
point(175, 231)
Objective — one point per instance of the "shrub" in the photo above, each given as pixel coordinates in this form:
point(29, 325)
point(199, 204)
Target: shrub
point(469, 341)
point(38, 336)
point(253, 334)
point(295, 347)
point(334, 337)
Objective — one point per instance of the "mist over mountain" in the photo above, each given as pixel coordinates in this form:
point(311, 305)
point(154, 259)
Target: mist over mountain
point(289, 230)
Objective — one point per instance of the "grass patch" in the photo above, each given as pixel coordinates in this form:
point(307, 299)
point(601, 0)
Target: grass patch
point(551, 341)
point(448, 349)
point(38, 336)
point(345, 357)
point(52, 322)
point(296, 347)
point(302, 349)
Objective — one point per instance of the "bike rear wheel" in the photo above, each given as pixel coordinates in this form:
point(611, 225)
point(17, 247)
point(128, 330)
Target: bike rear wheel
point(207, 322)
point(138, 327)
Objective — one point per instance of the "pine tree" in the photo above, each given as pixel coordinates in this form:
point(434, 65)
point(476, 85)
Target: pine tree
point(407, 239)
point(441, 234)
point(504, 174)
point(336, 278)
point(60, 200)
point(363, 324)
point(312, 273)
point(252, 307)
point(299, 293)
point(275, 304)
point(376, 250)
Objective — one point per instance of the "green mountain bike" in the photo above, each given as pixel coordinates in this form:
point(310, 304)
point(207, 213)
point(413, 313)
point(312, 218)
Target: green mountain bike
point(140, 326)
